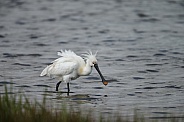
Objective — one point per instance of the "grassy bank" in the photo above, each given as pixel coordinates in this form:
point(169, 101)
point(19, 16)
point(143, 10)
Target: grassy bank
point(13, 109)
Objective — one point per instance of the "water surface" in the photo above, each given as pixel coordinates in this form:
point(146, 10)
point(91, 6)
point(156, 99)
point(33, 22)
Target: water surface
point(140, 45)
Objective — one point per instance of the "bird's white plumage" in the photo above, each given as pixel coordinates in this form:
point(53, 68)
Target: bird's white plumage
point(69, 66)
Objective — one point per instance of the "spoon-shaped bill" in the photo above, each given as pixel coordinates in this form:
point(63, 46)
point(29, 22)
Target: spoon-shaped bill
point(105, 83)
point(98, 70)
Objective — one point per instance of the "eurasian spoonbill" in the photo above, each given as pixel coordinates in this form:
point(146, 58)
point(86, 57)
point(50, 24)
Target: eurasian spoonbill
point(71, 66)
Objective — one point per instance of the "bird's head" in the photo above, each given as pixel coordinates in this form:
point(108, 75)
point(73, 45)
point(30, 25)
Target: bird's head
point(92, 61)
point(91, 58)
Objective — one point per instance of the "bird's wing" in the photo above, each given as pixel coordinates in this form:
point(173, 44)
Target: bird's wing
point(62, 67)
point(66, 53)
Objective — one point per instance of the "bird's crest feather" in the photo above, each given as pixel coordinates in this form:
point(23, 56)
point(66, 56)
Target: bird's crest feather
point(89, 54)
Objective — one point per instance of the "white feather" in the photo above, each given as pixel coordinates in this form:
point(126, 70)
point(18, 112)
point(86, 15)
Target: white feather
point(70, 66)
point(65, 65)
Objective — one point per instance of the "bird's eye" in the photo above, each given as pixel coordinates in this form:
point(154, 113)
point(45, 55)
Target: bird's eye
point(94, 62)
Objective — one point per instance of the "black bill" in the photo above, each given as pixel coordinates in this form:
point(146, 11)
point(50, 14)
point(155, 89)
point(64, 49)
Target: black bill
point(98, 70)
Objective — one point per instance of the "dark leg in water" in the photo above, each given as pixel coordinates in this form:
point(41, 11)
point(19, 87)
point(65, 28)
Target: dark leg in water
point(68, 88)
point(57, 85)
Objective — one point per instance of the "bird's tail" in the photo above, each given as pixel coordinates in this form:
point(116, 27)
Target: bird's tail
point(45, 71)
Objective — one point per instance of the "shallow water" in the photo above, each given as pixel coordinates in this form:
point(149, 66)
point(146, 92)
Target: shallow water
point(140, 49)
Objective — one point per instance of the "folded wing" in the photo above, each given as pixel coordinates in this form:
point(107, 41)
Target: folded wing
point(60, 68)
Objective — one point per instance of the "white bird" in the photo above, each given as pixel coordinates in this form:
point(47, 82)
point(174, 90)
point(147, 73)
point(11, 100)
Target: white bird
point(71, 66)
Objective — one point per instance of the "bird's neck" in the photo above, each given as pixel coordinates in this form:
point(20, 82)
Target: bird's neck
point(86, 69)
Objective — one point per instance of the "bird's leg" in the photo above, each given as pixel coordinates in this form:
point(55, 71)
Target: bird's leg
point(68, 88)
point(57, 85)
